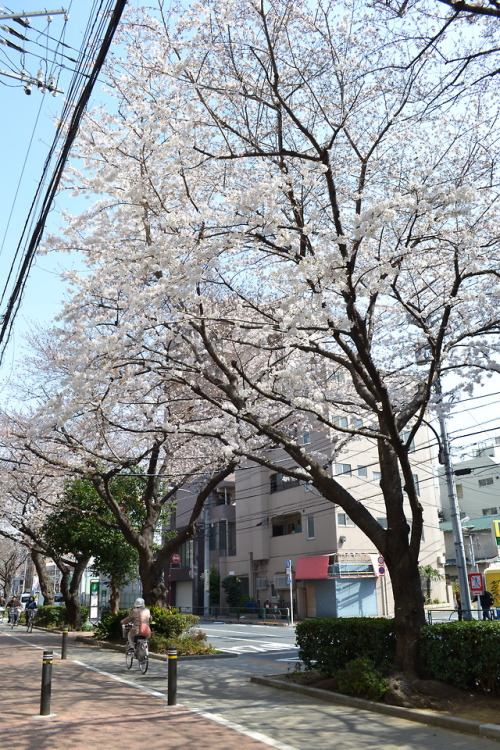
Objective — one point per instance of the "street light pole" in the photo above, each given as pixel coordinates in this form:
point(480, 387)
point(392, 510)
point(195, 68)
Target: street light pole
point(455, 513)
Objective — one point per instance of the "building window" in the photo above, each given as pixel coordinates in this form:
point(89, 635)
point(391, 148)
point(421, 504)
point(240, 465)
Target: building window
point(343, 469)
point(287, 524)
point(278, 482)
point(306, 438)
point(362, 471)
point(310, 527)
point(489, 511)
point(416, 482)
point(485, 482)
point(376, 476)
point(357, 423)
point(341, 422)
point(383, 522)
point(404, 437)
point(344, 520)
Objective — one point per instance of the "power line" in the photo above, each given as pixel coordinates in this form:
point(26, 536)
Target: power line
point(14, 301)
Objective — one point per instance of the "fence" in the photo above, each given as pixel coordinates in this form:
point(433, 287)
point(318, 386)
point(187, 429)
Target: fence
point(239, 613)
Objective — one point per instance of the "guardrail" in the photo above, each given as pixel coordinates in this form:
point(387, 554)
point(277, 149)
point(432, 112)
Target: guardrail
point(239, 613)
point(453, 615)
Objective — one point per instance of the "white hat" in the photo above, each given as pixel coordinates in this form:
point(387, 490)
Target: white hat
point(139, 602)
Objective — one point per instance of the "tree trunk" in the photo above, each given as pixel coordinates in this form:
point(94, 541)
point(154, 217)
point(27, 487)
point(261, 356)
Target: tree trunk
point(408, 616)
point(70, 587)
point(44, 578)
point(114, 597)
point(151, 575)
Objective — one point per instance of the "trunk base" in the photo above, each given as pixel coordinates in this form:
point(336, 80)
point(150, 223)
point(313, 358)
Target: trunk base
point(415, 693)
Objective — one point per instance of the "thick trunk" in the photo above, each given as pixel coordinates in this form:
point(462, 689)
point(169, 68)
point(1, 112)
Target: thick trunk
point(114, 597)
point(70, 587)
point(152, 580)
point(44, 578)
point(408, 615)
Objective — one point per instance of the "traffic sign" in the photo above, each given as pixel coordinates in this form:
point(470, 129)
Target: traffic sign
point(176, 558)
point(476, 583)
point(288, 564)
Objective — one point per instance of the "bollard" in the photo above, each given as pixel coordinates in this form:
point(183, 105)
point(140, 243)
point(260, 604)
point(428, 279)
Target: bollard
point(172, 677)
point(46, 683)
point(64, 646)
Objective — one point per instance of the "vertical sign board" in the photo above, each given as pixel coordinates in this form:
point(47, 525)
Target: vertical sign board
point(289, 580)
point(496, 531)
point(94, 599)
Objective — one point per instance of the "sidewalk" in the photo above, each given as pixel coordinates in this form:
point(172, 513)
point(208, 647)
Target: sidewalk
point(91, 710)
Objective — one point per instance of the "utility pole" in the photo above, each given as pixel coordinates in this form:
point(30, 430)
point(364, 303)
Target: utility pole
point(461, 564)
point(206, 555)
point(30, 81)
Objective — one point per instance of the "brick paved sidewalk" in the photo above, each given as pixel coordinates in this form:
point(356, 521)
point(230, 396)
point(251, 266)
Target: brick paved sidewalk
point(94, 711)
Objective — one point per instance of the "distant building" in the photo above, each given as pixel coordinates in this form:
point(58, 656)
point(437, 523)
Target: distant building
point(477, 483)
point(263, 518)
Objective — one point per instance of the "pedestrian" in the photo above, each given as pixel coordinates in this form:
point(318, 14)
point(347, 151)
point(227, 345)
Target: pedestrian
point(459, 605)
point(486, 601)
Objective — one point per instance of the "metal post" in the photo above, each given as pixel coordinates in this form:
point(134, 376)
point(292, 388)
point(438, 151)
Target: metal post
point(64, 646)
point(463, 581)
point(172, 677)
point(46, 683)
point(206, 558)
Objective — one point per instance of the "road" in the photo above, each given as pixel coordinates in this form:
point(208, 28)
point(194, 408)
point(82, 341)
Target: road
point(277, 642)
point(219, 689)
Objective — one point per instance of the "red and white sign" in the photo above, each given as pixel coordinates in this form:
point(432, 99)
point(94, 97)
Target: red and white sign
point(176, 558)
point(476, 583)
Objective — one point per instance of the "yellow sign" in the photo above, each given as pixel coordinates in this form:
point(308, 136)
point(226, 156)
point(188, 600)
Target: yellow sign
point(496, 531)
point(493, 584)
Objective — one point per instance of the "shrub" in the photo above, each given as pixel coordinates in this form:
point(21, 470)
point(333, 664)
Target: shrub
point(110, 628)
point(169, 628)
point(52, 616)
point(330, 644)
point(464, 654)
point(360, 678)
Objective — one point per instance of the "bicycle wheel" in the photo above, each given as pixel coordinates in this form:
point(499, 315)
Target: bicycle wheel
point(29, 624)
point(142, 656)
point(143, 664)
point(129, 658)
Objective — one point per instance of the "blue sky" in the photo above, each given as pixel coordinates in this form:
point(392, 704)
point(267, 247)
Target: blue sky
point(27, 130)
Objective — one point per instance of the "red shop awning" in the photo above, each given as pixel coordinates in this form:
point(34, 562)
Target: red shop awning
point(312, 568)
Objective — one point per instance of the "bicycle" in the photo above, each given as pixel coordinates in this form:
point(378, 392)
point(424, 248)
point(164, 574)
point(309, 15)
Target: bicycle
point(13, 617)
point(139, 652)
point(30, 616)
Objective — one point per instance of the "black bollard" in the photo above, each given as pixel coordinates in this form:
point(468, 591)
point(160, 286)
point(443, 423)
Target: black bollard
point(64, 646)
point(46, 683)
point(172, 677)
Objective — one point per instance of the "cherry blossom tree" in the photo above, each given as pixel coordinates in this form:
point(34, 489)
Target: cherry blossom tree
point(136, 442)
point(296, 221)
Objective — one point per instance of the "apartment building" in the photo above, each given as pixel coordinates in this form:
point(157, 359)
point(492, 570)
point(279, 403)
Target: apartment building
point(477, 482)
point(262, 519)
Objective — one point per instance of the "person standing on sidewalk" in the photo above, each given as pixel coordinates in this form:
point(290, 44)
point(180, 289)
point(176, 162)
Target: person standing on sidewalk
point(140, 618)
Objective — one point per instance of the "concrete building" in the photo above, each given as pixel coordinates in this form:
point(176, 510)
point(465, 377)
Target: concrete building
point(477, 482)
point(264, 518)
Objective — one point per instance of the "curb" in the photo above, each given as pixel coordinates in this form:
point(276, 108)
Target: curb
point(152, 655)
point(466, 726)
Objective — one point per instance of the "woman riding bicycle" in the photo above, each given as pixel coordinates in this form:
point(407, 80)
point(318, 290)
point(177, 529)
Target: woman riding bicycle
point(140, 617)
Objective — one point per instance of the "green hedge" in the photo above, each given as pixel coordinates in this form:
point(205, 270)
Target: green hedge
point(464, 654)
point(328, 645)
point(167, 625)
point(53, 616)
